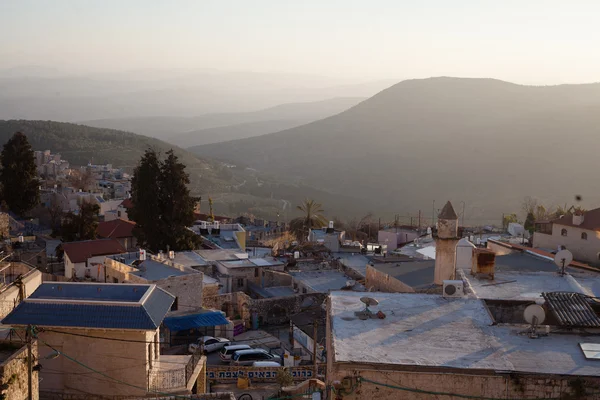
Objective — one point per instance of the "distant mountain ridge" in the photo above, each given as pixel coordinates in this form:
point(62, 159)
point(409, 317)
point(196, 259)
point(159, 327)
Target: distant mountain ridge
point(188, 131)
point(486, 142)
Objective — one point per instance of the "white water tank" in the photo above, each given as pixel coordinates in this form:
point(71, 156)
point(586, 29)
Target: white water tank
point(464, 254)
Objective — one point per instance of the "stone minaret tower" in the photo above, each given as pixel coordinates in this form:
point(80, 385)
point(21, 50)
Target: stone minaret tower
point(445, 244)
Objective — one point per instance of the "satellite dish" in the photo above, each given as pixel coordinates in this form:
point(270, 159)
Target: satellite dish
point(534, 314)
point(563, 258)
point(369, 301)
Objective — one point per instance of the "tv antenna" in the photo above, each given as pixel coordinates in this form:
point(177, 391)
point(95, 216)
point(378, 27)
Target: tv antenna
point(534, 315)
point(562, 259)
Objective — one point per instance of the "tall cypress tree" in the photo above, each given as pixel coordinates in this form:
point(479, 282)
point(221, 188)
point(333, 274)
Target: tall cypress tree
point(177, 206)
point(145, 190)
point(162, 205)
point(18, 176)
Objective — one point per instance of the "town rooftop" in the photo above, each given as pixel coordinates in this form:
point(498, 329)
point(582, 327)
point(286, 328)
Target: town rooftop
point(432, 331)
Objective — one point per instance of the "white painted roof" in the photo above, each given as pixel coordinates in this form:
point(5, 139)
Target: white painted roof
point(429, 330)
point(515, 285)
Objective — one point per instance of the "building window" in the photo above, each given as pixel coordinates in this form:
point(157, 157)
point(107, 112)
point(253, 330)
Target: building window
point(119, 214)
point(584, 235)
point(174, 306)
point(256, 272)
point(240, 282)
point(563, 232)
point(304, 290)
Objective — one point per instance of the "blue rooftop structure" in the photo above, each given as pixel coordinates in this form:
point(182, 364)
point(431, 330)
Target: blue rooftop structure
point(93, 305)
point(197, 320)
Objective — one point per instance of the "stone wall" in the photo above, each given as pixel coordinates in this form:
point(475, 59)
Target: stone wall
point(13, 372)
point(208, 291)
point(48, 395)
point(276, 278)
point(187, 289)
point(505, 386)
point(9, 295)
point(270, 311)
point(4, 225)
point(378, 281)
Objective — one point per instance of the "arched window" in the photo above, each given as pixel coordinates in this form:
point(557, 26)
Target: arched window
point(584, 235)
point(563, 232)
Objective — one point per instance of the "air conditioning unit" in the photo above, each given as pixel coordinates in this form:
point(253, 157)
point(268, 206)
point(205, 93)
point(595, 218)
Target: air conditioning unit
point(453, 289)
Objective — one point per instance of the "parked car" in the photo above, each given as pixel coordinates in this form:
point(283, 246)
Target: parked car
point(248, 357)
point(266, 364)
point(210, 344)
point(227, 352)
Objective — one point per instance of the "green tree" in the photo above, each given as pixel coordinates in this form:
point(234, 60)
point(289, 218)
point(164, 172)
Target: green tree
point(176, 205)
point(18, 176)
point(312, 218)
point(162, 205)
point(509, 218)
point(145, 190)
point(530, 222)
point(82, 225)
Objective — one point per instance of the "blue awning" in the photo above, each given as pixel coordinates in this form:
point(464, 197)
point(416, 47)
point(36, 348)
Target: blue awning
point(185, 322)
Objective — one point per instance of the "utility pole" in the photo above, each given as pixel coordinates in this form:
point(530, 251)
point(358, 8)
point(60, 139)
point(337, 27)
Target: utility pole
point(315, 323)
point(29, 364)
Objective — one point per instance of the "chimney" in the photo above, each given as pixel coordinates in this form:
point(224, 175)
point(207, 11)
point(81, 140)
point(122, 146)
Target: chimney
point(577, 218)
point(445, 245)
point(330, 227)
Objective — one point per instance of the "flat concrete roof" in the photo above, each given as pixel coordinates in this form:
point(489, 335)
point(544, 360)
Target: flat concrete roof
point(432, 331)
point(153, 271)
point(356, 262)
point(324, 281)
point(520, 285)
point(414, 273)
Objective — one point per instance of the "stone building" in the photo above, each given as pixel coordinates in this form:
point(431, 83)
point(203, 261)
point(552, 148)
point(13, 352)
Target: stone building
point(445, 244)
point(578, 232)
point(103, 340)
point(14, 372)
point(429, 346)
point(19, 280)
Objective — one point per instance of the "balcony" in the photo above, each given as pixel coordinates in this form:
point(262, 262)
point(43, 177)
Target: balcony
point(178, 374)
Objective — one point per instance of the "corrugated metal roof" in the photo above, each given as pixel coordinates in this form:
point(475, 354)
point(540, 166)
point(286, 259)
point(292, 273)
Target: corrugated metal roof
point(572, 309)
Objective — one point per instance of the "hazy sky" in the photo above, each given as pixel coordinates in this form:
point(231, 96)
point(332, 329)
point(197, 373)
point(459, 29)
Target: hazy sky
point(525, 41)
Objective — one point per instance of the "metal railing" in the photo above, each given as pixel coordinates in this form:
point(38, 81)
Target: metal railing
point(167, 380)
point(173, 378)
point(191, 365)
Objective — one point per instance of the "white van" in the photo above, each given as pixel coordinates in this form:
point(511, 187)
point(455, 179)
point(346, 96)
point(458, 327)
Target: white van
point(266, 364)
point(227, 351)
point(248, 357)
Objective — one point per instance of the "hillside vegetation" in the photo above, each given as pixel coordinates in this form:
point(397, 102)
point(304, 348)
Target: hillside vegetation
point(234, 190)
point(80, 144)
point(485, 142)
